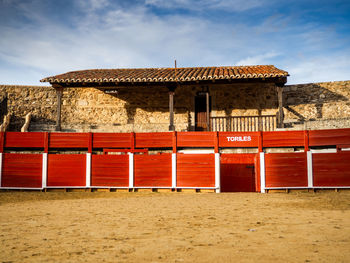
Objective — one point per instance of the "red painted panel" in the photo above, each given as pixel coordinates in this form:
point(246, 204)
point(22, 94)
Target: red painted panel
point(329, 137)
point(21, 170)
point(152, 170)
point(195, 170)
point(112, 140)
point(24, 139)
point(286, 169)
point(110, 170)
point(238, 139)
point(69, 140)
point(66, 170)
point(195, 139)
point(237, 172)
point(331, 169)
point(283, 138)
point(154, 139)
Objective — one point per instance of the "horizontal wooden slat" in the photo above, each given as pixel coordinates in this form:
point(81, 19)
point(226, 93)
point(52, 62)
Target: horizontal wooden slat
point(283, 139)
point(329, 137)
point(110, 170)
point(153, 139)
point(66, 170)
point(331, 169)
point(238, 139)
point(286, 170)
point(195, 139)
point(112, 140)
point(68, 140)
point(21, 170)
point(152, 170)
point(24, 139)
point(195, 170)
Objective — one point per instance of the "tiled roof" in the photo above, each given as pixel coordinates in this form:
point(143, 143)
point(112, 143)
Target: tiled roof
point(167, 74)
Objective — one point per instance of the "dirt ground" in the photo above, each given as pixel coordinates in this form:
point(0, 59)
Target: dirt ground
point(174, 227)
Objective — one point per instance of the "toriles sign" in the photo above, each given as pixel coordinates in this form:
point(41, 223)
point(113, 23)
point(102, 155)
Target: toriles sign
point(239, 138)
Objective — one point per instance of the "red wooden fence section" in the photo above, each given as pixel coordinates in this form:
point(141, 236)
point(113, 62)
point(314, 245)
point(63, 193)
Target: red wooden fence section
point(39, 160)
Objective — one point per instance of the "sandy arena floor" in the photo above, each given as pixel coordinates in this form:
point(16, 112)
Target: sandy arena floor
point(174, 227)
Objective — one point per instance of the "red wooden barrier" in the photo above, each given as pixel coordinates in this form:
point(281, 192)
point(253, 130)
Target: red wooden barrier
point(152, 170)
point(195, 170)
point(286, 170)
point(283, 139)
point(329, 137)
point(238, 173)
point(110, 170)
point(153, 140)
point(66, 170)
point(331, 169)
point(24, 139)
point(196, 139)
point(68, 140)
point(21, 170)
point(111, 140)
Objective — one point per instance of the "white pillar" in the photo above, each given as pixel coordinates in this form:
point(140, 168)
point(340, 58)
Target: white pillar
point(88, 170)
point(217, 173)
point(0, 167)
point(131, 170)
point(173, 170)
point(310, 181)
point(262, 172)
point(44, 171)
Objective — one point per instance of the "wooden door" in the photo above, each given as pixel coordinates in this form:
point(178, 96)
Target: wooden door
point(237, 173)
point(201, 113)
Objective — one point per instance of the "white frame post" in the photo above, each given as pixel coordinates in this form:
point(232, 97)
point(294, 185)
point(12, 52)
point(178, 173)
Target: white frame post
point(310, 181)
point(0, 168)
point(173, 170)
point(44, 172)
point(217, 173)
point(131, 170)
point(88, 170)
point(262, 172)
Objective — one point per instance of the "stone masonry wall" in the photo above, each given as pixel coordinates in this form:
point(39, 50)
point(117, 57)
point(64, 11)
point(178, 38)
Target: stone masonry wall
point(146, 109)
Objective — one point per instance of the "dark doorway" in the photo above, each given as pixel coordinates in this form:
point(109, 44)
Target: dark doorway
point(237, 173)
point(201, 112)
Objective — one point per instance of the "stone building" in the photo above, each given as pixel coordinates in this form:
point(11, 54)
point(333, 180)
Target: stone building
point(246, 98)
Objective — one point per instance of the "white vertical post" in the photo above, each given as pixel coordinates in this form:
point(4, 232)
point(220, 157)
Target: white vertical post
point(310, 181)
point(131, 170)
point(217, 173)
point(44, 172)
point(262, 172)
point(0, 167)
point(88, 170)
point(173, 170)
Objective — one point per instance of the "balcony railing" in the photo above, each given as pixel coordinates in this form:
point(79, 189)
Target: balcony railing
point(244, 123)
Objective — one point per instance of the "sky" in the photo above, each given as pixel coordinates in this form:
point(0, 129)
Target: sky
point(41, 38)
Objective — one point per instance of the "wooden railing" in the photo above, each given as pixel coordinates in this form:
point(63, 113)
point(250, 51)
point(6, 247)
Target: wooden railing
point(244, 123)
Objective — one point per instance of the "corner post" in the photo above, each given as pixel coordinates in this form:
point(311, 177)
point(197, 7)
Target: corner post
point(59, 92)
point(131, 170)
point(280, 104)
point(171, 107)
point(44, 171)
point(217, 173)
point(262, 172)
point(207, 110)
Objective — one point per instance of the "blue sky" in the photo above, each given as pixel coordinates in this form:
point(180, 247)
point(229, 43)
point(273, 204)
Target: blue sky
point(309, 39)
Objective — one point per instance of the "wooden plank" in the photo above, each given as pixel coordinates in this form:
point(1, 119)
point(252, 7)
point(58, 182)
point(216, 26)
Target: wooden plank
point(112, 140)
point(195, 170)
point(68, 140)
point(21, 170)
point(154, 140)
point(65, 170)
point(110, 170)
point(152, 170)
point(286, 169)
point(195, 139)
point(24, 140)
point(238, 139)
point(283, 139)
point(329, 137)
point(331, 169)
